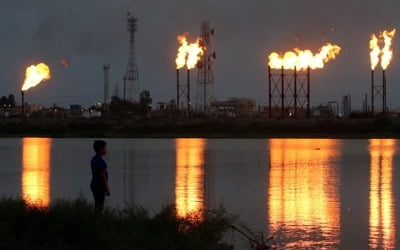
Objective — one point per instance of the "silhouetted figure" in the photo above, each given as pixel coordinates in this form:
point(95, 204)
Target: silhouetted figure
point(99, 183)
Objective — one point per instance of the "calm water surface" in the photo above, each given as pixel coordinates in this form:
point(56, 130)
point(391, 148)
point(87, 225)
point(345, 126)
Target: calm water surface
point(310, 193)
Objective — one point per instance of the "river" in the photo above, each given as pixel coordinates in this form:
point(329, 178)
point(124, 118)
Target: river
point(309, 193)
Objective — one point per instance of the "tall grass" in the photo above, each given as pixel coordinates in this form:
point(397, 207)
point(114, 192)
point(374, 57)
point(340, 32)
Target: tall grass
point(76, 225)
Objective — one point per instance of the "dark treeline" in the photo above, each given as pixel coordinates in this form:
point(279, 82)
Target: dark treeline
point(201, 127)
point(7, 101)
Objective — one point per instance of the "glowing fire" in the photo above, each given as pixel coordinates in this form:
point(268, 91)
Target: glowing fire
point(188, 53)
point(302, 59)
point(385, 53)
point(375, 51)
point(35, 74)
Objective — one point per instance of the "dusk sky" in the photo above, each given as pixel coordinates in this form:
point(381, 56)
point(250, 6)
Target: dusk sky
point(91, 33)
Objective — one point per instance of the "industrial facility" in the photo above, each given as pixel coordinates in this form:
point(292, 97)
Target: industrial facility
point(288, 88)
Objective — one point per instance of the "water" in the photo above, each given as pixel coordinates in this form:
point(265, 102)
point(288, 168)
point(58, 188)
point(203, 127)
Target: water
point(310, 193)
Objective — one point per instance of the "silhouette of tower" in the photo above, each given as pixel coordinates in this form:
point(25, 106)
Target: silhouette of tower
point(206, 74)
point(106, 68)
point(131, 78)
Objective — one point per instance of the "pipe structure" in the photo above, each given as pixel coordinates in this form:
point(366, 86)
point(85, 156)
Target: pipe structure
point(269, 93)
point(205, 90)
point(384, 109)
point(23, 103)
point(295, 92)
point(282, 93)
point(308, 92)
point(124, 89)
point(188, 90)
point(177, 90)
point(106, 68)
point(290, 89)
point(372, 91)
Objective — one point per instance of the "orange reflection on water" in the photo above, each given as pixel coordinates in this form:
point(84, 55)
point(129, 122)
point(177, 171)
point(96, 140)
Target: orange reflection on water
point(189, 182)
point(381, 202)
point(36, 171)
point(303, 193)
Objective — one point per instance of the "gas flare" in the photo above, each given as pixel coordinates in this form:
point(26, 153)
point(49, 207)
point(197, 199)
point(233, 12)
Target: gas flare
point(188, 53)
point(302, 59)
point(35, 74)
point(182, 52)
point(375, 51)
point(385, 54)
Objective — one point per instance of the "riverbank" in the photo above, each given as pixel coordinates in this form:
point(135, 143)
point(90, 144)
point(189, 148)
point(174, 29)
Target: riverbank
point(202, 127)
point(76, 225)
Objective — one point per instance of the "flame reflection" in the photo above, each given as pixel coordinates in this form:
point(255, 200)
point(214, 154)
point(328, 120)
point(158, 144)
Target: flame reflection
point(381, 202)
point(303, 192)
point(36, 171)
point(189, 183)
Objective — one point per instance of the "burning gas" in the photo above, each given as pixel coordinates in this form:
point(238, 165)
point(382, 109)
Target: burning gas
point(385, 53)
point(35, 74)
point(302, 59)
point(188, 53)
point(375, 51)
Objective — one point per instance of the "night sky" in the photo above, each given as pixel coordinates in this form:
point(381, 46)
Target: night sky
point(90, 33)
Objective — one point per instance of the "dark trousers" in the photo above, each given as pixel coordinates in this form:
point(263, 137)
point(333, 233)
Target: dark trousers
point(99, 194)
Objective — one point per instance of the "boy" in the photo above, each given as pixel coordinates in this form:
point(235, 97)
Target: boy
point(99, 183)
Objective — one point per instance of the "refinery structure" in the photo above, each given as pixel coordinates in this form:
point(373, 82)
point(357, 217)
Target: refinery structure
point(131, 77)
point(384, 56)
point(288, 82)
point(205, 88)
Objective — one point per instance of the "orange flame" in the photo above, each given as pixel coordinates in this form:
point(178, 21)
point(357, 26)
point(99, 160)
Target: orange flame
point(182, 52)
point(375, 51)
point(302, 59)
point(188, 53)
point(385, 53)
point(35, 74)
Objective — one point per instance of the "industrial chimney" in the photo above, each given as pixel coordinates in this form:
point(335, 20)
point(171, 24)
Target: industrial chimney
point(106, 68)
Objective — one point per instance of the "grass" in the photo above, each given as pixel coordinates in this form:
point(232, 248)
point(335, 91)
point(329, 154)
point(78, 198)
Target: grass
point(76, 225)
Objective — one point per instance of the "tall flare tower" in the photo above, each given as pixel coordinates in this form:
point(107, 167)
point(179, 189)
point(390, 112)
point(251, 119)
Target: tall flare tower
point(131, 77)
point(205, 73)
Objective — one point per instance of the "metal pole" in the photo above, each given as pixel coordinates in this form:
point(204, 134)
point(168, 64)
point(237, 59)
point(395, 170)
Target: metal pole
point(308, 92)
point(106, 68)
point(295, 92)
point(205, 68)
point(188, 91)
point(177, 90)
point(384, 91)
point(282, 93)
point(205, 94)
point(372, 91)
point(366, 103)
point(269, 93)
point(124, 89)
point(23, 103)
